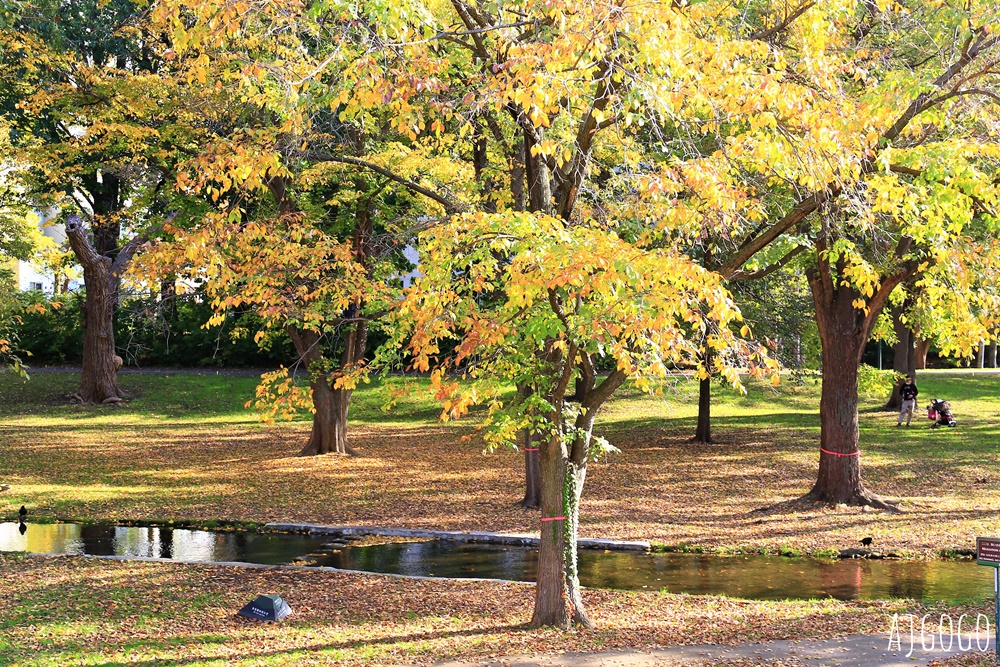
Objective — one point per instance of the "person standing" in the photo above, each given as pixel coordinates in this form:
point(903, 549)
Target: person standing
point(908, 392)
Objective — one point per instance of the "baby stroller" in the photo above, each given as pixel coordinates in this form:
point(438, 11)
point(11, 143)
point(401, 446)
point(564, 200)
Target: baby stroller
point(940, 412)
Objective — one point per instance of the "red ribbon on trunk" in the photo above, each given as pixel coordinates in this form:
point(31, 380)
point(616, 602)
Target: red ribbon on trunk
point(857, 453)
point(553, 518)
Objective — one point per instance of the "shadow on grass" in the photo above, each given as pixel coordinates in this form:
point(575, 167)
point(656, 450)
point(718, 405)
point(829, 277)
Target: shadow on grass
point(319, 647)
point(99, 600)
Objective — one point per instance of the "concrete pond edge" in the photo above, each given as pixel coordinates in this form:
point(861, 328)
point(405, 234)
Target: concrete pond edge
point(510, 539)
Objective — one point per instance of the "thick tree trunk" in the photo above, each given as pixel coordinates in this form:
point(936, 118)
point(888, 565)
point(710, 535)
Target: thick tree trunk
point(99, 376)
point(329, 429)
point(103, 262)
point(550, 591)
point(557, 593)
point(843, 331)
point(920, 351)
point(839, 478)
point(532, 473)
point(101, 275)
point(981, 356)
point(991, 355)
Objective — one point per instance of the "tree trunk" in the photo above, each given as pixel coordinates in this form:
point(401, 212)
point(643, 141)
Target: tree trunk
point(329, 429)
point(532, 473)
point(839, 478)
point(904, 360)
point(557, 593)
point(103, 261)
point(991, 355)
point(575, 477)
point(981, 357)
point(550, 591)
point(168, 299)
point(920, 351)
point(843, 333)
point(584, 383)
point(703, 433)
point(99, 377)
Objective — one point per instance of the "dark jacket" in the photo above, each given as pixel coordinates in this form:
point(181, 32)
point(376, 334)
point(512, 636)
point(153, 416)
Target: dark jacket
point(908, 391)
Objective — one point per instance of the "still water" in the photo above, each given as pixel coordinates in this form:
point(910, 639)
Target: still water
point(752, 577)
point(152, 542)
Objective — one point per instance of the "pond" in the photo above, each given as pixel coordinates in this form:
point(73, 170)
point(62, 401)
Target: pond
point(154, 542)
point(751, 577)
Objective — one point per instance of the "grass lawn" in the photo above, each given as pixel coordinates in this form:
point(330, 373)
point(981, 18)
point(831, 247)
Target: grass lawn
point(77, 611)
point(185, 448)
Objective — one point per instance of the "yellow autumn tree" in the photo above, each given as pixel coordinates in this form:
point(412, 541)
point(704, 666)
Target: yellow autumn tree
point(94, 134)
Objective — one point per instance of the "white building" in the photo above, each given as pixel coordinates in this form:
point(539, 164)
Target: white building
point(29, 275)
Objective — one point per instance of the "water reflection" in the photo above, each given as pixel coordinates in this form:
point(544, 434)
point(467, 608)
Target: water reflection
point(752, 577)
point(174, 543)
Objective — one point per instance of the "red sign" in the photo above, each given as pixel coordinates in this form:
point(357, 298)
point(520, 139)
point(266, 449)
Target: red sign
point(988, 551)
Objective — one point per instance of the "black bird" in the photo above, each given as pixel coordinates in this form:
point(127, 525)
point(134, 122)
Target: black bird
point(867, 541)
point(23, 512)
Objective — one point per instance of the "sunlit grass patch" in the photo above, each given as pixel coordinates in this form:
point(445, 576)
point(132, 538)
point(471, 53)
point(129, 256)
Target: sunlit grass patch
point(185, 448)
point(75, 611)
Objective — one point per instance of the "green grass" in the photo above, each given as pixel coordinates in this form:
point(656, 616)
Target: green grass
point(185, 449)
point(203, 398)
point(74, 611)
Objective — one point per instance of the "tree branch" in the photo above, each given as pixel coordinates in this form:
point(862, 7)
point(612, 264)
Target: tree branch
point(766, 34)
point(743, 275)
point(81, 245)
point(129, 249)
point(602, 392)
point(979, 204)
point(924, 101)
point(792, 218)
point(571, 176)
point(964, 93)
point(450, 205)
point(472, 28)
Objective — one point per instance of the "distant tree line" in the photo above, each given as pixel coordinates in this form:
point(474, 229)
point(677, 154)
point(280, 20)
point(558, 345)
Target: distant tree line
point(148, 333)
